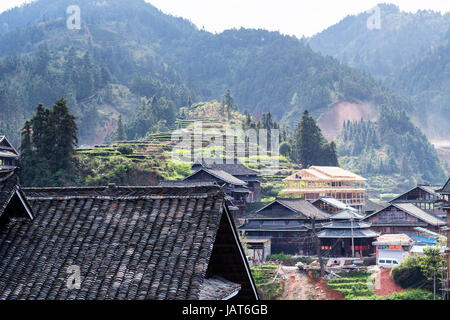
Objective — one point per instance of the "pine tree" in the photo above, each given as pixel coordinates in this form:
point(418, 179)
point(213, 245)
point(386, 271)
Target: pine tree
point(120, 132)
point(311, 148)
point(48, 147)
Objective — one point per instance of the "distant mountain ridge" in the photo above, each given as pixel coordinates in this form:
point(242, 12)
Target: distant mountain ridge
point(401, 38)
point(265, 70)
point(128, 50)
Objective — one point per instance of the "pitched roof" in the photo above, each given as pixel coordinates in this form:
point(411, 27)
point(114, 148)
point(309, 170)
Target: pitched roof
point(7, 148)
point(346, 215)
point(9, 190)
point(235, 169)
point(273, 225)
point(427, 188)
point(346, 225)
point(129, 243)
point(393, 239)
point(347, 233)
point(414, 211)
point(219, 174)
point(321, 173)
point(335, 203)
point(300, 208)
point(371, 206)
point(217, 288)
point(446, 188)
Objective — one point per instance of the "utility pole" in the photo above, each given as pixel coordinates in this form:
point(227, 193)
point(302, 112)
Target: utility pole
point(319, 253)
point(353, 238)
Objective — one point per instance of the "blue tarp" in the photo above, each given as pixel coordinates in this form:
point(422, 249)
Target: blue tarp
point(421, 239)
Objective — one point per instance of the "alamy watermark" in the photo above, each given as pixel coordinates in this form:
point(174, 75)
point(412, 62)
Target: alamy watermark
point(74, 279)
point(374, 21)
point(73, 21)
point(258, 148)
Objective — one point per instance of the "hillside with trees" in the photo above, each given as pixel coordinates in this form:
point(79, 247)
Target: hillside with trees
point(152, 54)
point(390, 147)
point(401, 38)
point(427, 82)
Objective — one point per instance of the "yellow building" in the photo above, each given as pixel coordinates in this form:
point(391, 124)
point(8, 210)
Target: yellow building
point(316, 182)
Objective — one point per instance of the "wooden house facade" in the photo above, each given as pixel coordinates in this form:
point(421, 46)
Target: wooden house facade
point(403, 217)
point(341, 238)
point(287, 222)
point(316, 182)
point(239, 171)
point(425, 197)
point(445, 205)
point(9, 156)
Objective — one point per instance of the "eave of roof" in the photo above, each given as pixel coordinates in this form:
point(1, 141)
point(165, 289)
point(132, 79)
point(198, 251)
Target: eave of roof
point(412, 210)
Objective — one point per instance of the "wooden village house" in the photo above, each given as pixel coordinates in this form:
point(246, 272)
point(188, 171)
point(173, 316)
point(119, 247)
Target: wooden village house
point(237, 191)
point(128, 243)
point(347, 236)
point(239, 171)
point(425, 197)
point(403, 217)
point(287, 222)
point(9, 157)
point(316, 182)
point(445, 205)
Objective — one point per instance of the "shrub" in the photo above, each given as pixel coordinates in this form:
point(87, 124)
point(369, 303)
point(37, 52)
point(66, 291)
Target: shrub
point(285, 149)
point(409, 274)
point(125, 150)
point(414, 294)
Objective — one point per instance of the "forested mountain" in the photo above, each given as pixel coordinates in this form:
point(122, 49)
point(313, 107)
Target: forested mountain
point(401, 38)
point(390, 146)
point(153, 54)
point(129, 61)
point(427, 82)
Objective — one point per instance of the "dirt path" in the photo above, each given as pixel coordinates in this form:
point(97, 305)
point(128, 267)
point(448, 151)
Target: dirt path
point(384, 285)
point(299, 286)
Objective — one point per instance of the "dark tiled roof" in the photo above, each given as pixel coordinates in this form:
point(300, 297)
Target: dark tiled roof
point(347, 233)
point(346, 215)
point(221, 175)
point(413, 210)
point(346, 225)
point(296, 209)
point(130, 243)
point(371, 206)
point(217, 288)
point(7, 148)
point(334, 202)
point(275, 225)
point(427, 188)
point(446, 188)
point(8, 189)
point(235, 169)
point(188, 184)
point(8, 182)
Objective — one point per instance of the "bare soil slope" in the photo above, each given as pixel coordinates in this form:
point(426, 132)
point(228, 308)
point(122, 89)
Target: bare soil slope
point(332, 121)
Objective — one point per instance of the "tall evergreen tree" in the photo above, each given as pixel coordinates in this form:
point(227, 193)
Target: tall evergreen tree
point(311, 148)
point(48, 147)
point(120, 132)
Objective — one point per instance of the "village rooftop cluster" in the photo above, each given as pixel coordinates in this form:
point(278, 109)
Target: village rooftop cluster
point(196, 238)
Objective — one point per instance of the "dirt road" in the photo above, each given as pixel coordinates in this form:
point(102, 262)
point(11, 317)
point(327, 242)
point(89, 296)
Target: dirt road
point(384, 284)
point(299, 286)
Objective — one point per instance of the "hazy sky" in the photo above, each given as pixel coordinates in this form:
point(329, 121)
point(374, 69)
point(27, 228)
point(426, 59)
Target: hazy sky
point(294, 17)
